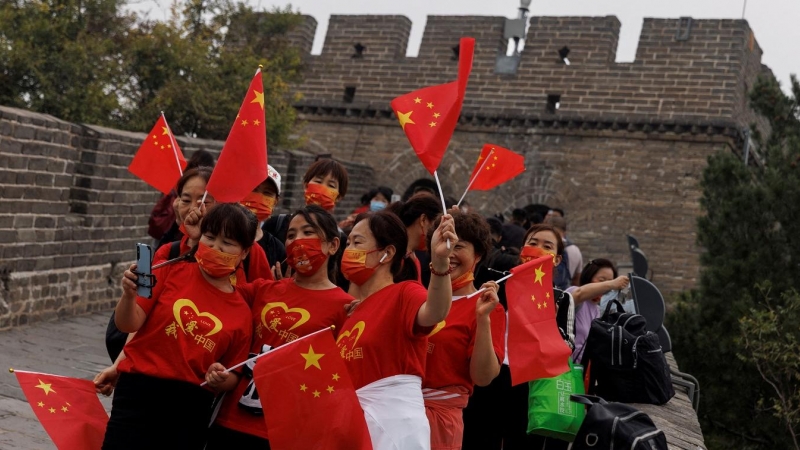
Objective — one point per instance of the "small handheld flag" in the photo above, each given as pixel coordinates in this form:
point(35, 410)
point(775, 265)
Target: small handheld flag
point(67, 408)
point(429, 115)
point(159, 161)
point(242, 164)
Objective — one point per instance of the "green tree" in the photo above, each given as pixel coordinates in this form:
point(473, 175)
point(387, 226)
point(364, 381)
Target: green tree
point(197, 65)
point(62, 57)
point(750, 233)
point(88, 61)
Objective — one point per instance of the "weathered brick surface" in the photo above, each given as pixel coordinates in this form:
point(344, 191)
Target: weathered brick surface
point(72, 213)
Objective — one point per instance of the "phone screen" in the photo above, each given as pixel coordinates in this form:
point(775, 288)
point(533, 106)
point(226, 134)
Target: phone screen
point(144, 264)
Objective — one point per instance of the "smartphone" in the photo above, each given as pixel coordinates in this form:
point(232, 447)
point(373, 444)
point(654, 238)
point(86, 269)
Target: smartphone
point(144, 269)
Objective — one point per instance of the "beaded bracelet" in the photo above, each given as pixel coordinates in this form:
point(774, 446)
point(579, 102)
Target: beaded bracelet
point(440, 274)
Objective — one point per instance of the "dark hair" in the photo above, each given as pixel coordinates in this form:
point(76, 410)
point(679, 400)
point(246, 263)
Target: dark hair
point(200, 158)
point(325, 166)
point(545, 227)
point(594, 266)
point(470, 227)
point(519, 214)
point(419, 204)
point(385, 191)
point(388, 230)
point(325, 225)
point(233, 221)
point(495, 225)
point(421, 185)
point(203, 172)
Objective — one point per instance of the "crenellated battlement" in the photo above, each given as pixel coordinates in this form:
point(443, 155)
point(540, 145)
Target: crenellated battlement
point(685, 69)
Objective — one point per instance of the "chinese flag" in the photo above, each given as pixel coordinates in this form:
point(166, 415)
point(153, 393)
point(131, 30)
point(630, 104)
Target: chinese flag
point(429, 115)
point(535, 346)
point(312, 403)
point(68, 409)
point(159, 161)
point(242, 164)
point(495, 166)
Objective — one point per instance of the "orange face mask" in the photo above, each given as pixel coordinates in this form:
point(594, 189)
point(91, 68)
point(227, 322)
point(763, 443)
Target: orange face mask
point(462, 280)
point(317, 194)
point(215, 263)
point(529, 253)
point(305, 256)
point(259, 204)
point(354, 266)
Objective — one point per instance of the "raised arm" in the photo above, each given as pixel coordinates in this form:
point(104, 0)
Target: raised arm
point(440, 292)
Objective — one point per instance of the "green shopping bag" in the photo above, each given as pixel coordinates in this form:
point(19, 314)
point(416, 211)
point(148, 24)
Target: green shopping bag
point(550, 411)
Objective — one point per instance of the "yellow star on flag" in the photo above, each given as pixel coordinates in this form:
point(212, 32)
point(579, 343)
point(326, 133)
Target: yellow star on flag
point(303, 387)
point(40, 404)
point(545, 304)
point(312, 359)
point(52, 410)
point(539, 305)
point(46, 387)
point(405, 118)
point(539, 275)
point(430, 105)
point(166, 131)
point(244, 122)
point(256, 122)
point(335, 377)
point(330, 389)
point(259, 98)
point(64, 408)
point(432, 124)
point(547, 294)
point(316, 394)
point(533, 297)
point(417, 100)
point(436, 115)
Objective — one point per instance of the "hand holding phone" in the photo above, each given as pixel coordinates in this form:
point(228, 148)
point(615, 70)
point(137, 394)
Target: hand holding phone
point(144, 263)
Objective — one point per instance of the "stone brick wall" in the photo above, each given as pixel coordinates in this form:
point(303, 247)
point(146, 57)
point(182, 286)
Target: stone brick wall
point(71, 213)
point(622, 154)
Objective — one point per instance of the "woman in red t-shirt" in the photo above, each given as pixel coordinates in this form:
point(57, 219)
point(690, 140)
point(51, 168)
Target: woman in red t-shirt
point(194, 325)
point(384, 341)
point(465, 349)
point(283, 311)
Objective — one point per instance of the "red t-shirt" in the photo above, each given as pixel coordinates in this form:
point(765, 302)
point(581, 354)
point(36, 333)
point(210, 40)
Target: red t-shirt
point(451, 342)
point(282, 311)
point(382, 339)
point(190, 325)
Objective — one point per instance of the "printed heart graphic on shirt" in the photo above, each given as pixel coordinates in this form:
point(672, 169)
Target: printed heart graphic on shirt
point(194, 322)
point(438, 328)
point(278, 316)
point(347, 339)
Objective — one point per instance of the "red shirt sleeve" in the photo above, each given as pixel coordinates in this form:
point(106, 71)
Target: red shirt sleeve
point(413, 296)
point(258, 266)
point(498, 318)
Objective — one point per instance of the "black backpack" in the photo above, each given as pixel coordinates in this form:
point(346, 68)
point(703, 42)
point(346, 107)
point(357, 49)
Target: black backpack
point(617, 426)
point(624, 361)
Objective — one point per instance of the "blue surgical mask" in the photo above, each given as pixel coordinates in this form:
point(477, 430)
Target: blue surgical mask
point(376, 205)
point(607, 297)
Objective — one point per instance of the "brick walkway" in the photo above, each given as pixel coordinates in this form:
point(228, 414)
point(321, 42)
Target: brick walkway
point(72, 347)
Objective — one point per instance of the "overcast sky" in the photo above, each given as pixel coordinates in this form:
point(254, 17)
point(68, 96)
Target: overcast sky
point(775, 22)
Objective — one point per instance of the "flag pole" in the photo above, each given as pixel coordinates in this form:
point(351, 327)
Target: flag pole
point(174, 145)
point(332, 327)
point(441, 196)
point(483, 289)
point(475, 177)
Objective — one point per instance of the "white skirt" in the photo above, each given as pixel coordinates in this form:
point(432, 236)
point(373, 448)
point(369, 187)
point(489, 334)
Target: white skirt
point(395, 413)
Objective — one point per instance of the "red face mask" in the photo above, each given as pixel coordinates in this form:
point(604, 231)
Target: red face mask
point(259, 204)
point(529, 253)
point(317, 194)
point(354, 266)
point(463, 280)
point(305, 255)
point(215, 263)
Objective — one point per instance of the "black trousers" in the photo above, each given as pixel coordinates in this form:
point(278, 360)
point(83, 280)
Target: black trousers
point(155, 413)
point(496, 418)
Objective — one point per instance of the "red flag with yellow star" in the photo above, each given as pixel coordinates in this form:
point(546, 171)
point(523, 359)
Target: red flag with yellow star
point(67, 408)
point(429, 115)
point(308, 398)
point(159, 161)
point(495, 166)
point(535, 346)
point(242, 164)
